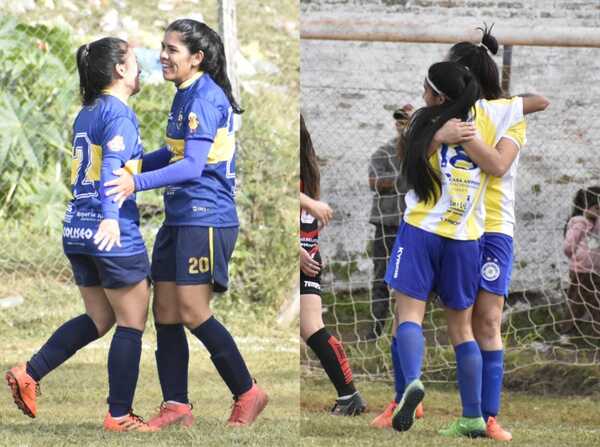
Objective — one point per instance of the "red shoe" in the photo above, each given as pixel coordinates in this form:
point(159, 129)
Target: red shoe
point(493, 430)
point(384, 420)
point(171, 413)
point(131, 422)
point(247, 407)
point(419, 411)
point(24, 389)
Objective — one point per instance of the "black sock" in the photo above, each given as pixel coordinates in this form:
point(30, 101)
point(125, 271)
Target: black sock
point(66, 341)
point(225, 355)
point(172, 359)
point(331, 353)
point(123, 369)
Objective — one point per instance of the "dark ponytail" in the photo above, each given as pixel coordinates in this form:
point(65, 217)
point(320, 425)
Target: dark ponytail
point(309, 169)
point(462, 91)
point(479, 60)
point(95, 63)
point(198, 36)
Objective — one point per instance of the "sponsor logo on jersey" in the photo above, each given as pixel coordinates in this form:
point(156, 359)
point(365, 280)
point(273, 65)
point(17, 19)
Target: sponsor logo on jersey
point(179, 120)
point(490, 271)
point(192, 122)
point(77, 233)
point(117, 144)
point(398, 257)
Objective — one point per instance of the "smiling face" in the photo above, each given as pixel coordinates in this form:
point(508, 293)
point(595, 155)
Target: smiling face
point(178, 64)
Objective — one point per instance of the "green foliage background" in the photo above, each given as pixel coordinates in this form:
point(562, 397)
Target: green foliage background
point(39, 100)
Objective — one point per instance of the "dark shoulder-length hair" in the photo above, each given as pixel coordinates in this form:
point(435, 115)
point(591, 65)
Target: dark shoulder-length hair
point(309, 168)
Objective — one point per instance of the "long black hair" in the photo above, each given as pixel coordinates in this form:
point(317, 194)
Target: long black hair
point(461, 90)
point(478, 59)
point(309, 168)
point(197, 36)
point(584, 198)
point(96, 63)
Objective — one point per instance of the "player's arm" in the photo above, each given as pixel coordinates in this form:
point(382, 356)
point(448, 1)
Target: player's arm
point(156, 159)
point(381, 177)
point(575, 232)
point(494, 161)
point(533, 103)
point(319, 210)
point(453, 131)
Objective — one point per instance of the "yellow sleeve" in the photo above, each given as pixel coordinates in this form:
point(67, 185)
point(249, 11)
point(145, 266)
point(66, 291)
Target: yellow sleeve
point(517, 133)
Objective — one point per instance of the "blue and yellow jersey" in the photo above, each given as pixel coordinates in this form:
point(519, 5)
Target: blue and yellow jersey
point(500, 192)
point(105, 136)
point(459, 212)
point(201, 110)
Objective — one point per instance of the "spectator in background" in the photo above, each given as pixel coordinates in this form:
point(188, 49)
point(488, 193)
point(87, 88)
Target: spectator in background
point(386, 214)
point(582, 247)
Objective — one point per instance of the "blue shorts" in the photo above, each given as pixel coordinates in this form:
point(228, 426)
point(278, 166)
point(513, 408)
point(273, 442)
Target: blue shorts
point(107, 272)
point(193, 255)
point(496, 263)
point(422, 262)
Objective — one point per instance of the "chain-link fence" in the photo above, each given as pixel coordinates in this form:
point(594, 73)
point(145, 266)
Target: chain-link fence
point(39, 99)
point(349, 90)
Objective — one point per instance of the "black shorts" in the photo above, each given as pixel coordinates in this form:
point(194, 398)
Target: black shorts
point(311, 285)
point(109, 272)
point(190, 255)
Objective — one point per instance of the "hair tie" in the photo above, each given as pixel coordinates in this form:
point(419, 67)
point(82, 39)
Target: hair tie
point(432, 85)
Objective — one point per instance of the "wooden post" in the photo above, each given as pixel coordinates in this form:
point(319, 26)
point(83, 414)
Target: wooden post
point(506, 63)
point(228, 31)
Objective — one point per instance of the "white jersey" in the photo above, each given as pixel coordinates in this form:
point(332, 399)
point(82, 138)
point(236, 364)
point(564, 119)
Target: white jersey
point(459, 213)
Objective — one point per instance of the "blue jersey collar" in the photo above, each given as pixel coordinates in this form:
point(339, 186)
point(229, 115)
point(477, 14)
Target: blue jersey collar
point(190, 81)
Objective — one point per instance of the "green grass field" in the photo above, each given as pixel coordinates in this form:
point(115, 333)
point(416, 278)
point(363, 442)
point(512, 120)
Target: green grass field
point(534, 420)
point(73, 403)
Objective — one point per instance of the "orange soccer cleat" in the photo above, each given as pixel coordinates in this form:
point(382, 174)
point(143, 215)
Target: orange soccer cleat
point(131, 422)
point(173, 413)
point(24, 389)
point(384, 420)
point(493, 430)
point(247, 407)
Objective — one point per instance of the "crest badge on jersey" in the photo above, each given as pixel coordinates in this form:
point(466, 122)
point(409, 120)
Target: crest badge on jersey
point(117, 144)
point(192, 122)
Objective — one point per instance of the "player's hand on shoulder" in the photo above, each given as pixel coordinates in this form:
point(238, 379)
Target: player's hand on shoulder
point(122, 187)
point(455, 131)
point(308, 264)
point(108, 235)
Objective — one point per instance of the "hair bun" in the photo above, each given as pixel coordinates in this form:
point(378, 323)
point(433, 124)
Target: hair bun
point(488, 40)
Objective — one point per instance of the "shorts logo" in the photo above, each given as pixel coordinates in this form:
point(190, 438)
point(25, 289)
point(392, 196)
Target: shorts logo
point(312, 285)
point(77, 233)
point(117, 144)
point(490, 270)
point(398, 257)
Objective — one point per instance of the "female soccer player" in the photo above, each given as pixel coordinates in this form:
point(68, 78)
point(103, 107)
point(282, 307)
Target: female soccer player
point(326, 347)
point(437, 247)
point(103, 243)
point(497, 242)
point(194, 245)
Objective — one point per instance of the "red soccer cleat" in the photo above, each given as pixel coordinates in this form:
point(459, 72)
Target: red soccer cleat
point(420, 411)
point(171, 413)
point(131, 422)
point(384, 420)
point(247, 407)
point(493, 430)
point(24, 389)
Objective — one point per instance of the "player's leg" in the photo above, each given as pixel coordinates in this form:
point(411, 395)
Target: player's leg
point(73, 335)
point(496, 272)
point(172, 351)
point(203, 256)
point(328, 349)
point(130, 305)
point(409, 336)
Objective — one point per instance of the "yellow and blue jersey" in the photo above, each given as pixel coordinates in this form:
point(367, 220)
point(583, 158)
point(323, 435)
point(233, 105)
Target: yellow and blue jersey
point(202, 111)
point(459, 212)
point(500, 192)
point(105, 137)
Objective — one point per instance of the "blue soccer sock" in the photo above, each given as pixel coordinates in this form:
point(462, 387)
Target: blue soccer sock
point(172, 359)
point(468, 372)
point(399, 383)
point(491, 386)
point(66, 341)
point(123, 369)
point(225, 355)
point(411, 346)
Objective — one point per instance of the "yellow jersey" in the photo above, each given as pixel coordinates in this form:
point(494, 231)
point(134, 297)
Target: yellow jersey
point(459, 212)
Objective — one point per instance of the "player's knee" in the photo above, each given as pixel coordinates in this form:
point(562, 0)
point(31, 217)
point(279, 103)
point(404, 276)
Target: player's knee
point(487, 327)
point(104, 324)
